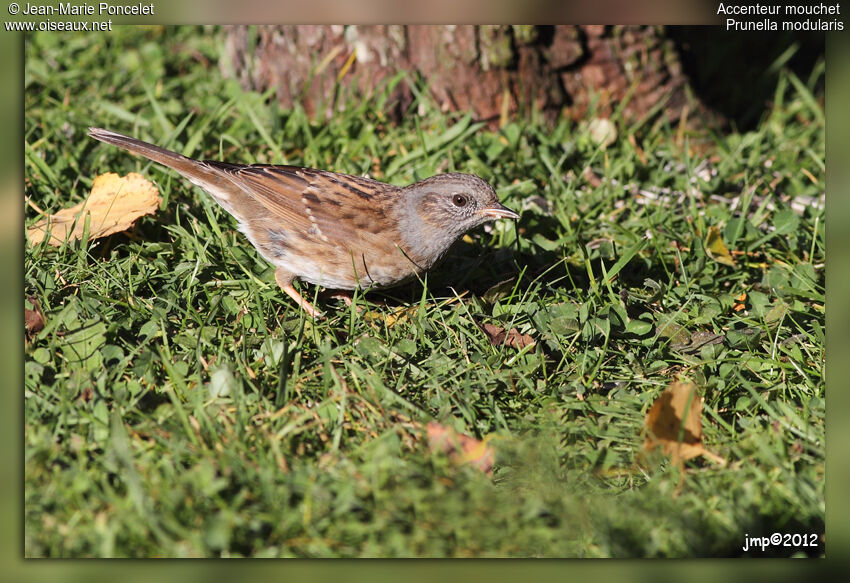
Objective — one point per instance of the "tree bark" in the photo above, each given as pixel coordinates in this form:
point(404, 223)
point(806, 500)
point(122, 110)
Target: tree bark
point(493, 71)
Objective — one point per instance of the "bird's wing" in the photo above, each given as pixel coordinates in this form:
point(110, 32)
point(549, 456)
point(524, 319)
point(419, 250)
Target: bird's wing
point(336, 208)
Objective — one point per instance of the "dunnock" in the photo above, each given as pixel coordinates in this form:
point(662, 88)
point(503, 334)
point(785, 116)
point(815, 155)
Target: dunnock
point(335, 230)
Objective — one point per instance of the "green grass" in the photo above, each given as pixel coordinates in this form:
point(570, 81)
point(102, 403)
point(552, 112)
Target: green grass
point(178, 404)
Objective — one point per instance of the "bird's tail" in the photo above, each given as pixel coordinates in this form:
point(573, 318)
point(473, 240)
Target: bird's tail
point(199, 173)
point(165, 157)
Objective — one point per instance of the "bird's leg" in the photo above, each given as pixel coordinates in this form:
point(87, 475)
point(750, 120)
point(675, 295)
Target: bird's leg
point(337, 294)
point(284, 280)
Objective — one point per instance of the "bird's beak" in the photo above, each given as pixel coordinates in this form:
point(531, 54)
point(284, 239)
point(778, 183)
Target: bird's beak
point(499, 212)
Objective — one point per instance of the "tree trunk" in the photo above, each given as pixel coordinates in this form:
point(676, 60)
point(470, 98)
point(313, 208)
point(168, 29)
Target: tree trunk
point(493, 71)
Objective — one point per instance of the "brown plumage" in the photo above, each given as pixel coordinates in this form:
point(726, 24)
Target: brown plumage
point(335, 230)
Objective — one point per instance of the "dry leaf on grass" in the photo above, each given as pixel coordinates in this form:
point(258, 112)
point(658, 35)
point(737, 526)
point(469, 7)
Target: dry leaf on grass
point(716, 249)
point(498, 336)
point(592, 178)
point(461, 448)
point(33, 319)
point(113, 205)
point(402, 314)
point(674, 422)
point(499, 291)
point(739, 302)
point(396, 316)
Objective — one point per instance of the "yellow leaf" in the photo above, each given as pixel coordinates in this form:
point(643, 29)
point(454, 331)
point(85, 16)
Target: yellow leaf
point(113, 206)
point(715, 248)
point(397, 316)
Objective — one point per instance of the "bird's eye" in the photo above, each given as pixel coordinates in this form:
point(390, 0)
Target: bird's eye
point(460, 200)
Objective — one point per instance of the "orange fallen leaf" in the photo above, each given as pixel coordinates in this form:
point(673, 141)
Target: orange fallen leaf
point(461, 449)
point(674, 422)
point(113, 206)
point(498, 336)
point(739, 302)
